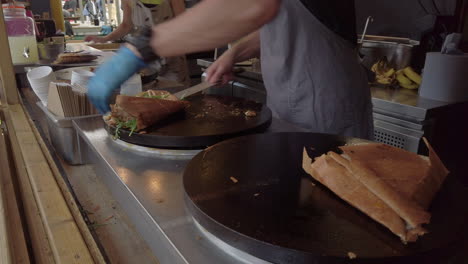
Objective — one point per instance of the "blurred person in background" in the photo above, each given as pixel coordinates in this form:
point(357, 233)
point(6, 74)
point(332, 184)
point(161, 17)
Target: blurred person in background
point(139, 13)
point(70, 6)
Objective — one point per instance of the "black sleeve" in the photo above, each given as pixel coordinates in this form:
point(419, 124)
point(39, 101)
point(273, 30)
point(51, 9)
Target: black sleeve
point(338, 15)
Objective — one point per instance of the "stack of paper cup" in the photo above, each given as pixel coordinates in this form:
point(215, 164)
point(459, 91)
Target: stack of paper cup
point(81, 77)
point(39, 78)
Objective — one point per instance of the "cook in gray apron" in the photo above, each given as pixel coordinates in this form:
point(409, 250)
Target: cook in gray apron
point(146, 14)
point(312, 73)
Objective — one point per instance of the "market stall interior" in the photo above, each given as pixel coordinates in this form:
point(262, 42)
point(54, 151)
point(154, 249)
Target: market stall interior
point(192, 172)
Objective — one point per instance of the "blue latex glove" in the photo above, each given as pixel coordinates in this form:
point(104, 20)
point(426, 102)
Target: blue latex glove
point(111, 75)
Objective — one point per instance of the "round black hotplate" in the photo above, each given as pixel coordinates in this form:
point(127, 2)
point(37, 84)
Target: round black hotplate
point(252, 193)
point(209, 120)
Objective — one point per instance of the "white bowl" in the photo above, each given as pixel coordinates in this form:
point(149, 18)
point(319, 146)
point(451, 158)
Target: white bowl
point(43, 97)
point(41, 87)
point(39, 73)
point(132, 86)
point(81, 77)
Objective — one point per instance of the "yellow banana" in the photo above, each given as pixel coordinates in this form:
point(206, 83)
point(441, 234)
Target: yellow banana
point(402, 79)
point(389, 73)
point(384, 80)
point(412, 75)
point(381, 67)
point(411, 86)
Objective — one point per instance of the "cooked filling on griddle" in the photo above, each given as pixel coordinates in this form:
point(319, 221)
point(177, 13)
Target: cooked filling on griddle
point(118, 124)
point(119, 119)
point(219, 108)
point(250, 113)
point(391, 185)
point(158, 95)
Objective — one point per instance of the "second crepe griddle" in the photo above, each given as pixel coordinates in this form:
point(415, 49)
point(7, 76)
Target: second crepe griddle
point(252, 193)
point(208, 120)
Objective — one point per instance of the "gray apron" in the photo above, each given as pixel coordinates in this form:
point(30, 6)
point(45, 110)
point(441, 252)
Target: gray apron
point(313, 76)
point(172, 68)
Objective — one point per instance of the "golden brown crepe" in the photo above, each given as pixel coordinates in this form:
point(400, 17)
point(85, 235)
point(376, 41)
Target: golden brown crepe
point(339, 180)
point(67, 58)
point(404, 171)
point(146, 110)
point(391, 185)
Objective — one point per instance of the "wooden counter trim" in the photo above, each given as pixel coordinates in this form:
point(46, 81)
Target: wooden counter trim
point(66, 241)
point(11, 223)
point(38, 238)
point(69, 198)
point(5, 249)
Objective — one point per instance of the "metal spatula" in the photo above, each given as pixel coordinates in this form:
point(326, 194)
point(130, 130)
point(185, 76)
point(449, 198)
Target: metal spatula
point(193, 90)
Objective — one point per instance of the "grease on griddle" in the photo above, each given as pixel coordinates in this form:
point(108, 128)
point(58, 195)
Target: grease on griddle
point(234, 180)
point(219, 108)
point(250, 113)
point(352, 255)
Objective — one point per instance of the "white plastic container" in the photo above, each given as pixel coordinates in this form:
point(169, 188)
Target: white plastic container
point(81, 77)
point(21, 34)
point(132, 87)
point(64, 138)
point(444, 77)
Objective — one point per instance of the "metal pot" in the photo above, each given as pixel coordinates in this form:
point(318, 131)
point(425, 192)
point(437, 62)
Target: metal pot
point(49, 52)
point(397, 50)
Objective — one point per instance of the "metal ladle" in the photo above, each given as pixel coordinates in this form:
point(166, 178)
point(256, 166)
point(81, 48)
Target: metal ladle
point(368, 21)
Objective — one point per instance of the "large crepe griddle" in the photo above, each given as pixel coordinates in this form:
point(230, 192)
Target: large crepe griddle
point(278, 213)
point(208, 120)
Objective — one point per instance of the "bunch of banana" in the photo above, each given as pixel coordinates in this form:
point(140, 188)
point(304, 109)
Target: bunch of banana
point(384, 73)
point(408, 78)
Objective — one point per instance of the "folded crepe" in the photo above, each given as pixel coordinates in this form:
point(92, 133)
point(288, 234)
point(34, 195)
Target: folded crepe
point(146, 109)
point(392, 186)
point(73, 57)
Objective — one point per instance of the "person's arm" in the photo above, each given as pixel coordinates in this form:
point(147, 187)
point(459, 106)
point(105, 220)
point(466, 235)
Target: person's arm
point(247, 48)
point(122, 30)
point(211, 24)
point(221, 69)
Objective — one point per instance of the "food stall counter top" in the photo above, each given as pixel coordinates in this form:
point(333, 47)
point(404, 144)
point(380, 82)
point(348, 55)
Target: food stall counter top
point(148, 184)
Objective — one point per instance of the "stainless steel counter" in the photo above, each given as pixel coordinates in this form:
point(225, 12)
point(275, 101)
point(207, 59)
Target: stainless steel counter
point(406, 103)
point(148, 185)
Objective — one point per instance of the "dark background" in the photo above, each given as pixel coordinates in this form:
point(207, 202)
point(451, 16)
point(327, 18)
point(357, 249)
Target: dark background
point(402, 18)
point(415, 19)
